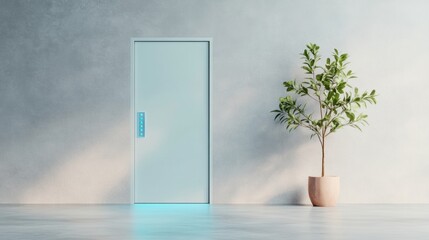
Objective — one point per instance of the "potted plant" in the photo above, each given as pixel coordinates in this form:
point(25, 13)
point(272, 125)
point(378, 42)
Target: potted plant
point(337, 102)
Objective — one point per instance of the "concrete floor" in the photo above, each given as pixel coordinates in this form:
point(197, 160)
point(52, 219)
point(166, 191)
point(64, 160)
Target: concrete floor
point(197, 221)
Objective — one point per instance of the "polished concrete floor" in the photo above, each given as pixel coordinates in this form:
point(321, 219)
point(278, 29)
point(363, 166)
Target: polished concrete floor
point(195, 221)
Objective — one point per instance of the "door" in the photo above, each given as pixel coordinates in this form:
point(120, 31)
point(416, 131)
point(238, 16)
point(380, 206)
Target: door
point(171, 121)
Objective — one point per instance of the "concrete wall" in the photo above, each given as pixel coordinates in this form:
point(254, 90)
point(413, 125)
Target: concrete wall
point(64, 96)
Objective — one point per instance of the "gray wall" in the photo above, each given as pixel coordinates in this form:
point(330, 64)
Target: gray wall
point(64, 97)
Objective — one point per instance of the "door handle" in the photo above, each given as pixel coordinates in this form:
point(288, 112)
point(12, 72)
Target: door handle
point(141, 124)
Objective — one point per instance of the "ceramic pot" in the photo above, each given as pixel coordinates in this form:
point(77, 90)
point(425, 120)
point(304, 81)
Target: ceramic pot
point(323, 191)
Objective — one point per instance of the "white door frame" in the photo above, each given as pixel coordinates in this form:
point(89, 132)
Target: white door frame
point(132, 107)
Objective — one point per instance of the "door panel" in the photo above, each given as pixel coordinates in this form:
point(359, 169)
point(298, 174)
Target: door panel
point(172, 91)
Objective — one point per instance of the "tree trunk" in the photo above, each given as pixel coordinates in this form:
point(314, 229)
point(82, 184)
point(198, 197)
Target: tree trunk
point(323, 156)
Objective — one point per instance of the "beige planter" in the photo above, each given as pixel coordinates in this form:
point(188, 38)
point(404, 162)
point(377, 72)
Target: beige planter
point(323, 191)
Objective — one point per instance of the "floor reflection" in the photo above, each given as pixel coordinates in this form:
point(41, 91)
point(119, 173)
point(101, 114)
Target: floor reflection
point(202, 221)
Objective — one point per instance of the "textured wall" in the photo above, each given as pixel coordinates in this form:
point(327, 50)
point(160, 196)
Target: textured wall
point(64, 96)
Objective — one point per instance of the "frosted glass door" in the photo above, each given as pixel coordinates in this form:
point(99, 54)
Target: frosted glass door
point(171, 109)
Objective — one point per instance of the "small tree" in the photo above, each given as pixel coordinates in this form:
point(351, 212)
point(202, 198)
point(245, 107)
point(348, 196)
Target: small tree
point(328, 86)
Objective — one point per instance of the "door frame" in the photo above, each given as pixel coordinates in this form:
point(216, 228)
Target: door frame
point(132, 107)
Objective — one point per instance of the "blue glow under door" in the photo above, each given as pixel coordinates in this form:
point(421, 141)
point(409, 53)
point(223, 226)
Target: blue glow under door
point(172, 128)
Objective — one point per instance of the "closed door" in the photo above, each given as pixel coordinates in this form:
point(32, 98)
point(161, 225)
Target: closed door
point(171, 127)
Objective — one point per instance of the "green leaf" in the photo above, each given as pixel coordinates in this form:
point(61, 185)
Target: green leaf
point(336, 98)
point(330, 95)
point(356, 126)
point(306, 53)
point(307, 69)
point(341, 87)
point(350, 115)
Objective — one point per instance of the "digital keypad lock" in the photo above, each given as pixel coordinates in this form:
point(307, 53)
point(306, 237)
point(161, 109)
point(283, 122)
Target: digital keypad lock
point(141, 124)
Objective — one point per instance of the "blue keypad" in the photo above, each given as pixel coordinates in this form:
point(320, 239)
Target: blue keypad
point(141, 124)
